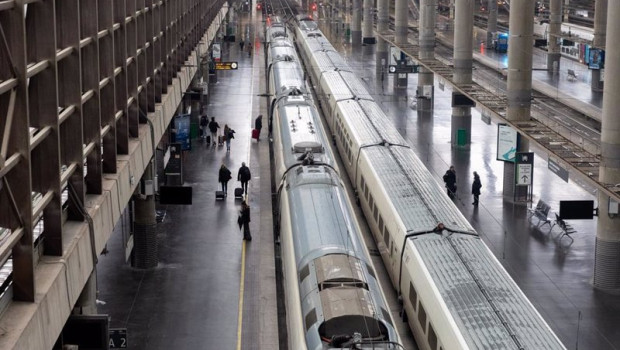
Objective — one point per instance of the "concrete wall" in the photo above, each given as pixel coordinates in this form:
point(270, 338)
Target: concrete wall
point(60, 280)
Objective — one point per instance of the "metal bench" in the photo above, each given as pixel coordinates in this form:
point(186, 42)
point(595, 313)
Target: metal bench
point(572, 76)
point(567, 229)
point(541, 213)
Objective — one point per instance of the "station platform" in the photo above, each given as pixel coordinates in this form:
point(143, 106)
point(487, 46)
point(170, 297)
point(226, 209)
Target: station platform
point(554, 274)
point(212, 290)
point(575, 93)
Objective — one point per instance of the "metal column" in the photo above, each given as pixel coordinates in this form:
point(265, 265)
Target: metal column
point(427, 51)
point(382, 57)
point(491, 22)
point(367, 34)
point(401, 12)
point(600, 30)
point(519, 83)
point(463, 58)
point(553, 43)
point(356, 27)
point(607, 258)
point(145, 228)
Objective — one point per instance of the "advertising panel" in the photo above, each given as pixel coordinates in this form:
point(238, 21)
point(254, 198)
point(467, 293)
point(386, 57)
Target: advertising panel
point(506, 143)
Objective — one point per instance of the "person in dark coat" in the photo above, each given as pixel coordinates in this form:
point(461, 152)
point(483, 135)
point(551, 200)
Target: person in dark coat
point(450, 179)
point(258, 124)
point(244, 221)
point(224, 177)
point(475, 188)
point(204, 126)
point(244, 176)
point(213, 126)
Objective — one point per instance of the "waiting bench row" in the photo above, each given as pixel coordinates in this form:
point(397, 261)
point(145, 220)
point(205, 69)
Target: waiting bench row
point(541, 213)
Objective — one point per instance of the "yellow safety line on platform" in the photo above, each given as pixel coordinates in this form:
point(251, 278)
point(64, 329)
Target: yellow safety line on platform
point(243, 247)
point(241, 288)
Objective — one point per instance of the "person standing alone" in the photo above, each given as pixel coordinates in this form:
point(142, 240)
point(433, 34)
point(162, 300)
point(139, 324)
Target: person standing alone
point(258, 124)
point(244, 221)
point(204, 126)
point(450, 179)
point(475, 188)
point(244, 176)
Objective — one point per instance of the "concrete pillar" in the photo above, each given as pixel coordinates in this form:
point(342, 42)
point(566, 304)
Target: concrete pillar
point(491, 22)
point(600, 30)
point(383, 59)
point(87, 301)
point(427, 52)
point(553, 42)
point(367, 34)
point(607, 258)
point(356, 26)
point(145, 228)
point(519, 82)
point(401, 12)
point(452, 9)
point(463, 58)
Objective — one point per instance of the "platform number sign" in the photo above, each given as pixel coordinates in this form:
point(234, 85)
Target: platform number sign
point(118, 338)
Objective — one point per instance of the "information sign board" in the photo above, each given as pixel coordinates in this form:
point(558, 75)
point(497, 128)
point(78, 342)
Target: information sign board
point(226, 65)
point(557, 169)
point(118, 338)
point(506, 143)
point(525, 168)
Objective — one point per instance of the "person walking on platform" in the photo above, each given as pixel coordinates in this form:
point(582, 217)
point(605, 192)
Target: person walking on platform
point(244, 176)
point(475, 188)
point(204, 126)
point(229, 134)
point(249, 49)
point(258, 124)
point(450, 179)
point(213, 126)
point(223, 178)
point(244, 221)
point(241, 44)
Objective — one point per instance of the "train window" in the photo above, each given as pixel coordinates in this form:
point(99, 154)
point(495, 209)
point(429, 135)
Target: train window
point(371, 271)
point(363, 183)
point(305, 272)
point(432, 337)
point(310, 319)
point(413, 296)
point(387, 317)
point(380, 224)
point(372, 205)
point(422, 318)
point(386, 239)
point(376, 214)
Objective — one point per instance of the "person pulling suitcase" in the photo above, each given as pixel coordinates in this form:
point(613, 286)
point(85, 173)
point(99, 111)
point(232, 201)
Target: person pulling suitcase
point(244, 176)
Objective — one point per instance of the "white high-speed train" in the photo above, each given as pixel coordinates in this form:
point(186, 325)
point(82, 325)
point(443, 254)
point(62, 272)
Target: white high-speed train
point(332, 296)
point(455, 293)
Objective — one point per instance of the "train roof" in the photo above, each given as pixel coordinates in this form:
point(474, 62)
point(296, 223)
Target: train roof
point(367, 123)
point(414, 193)
point(299, 131)
point(345, 85)
point(317, 201)
point(463, 287)
point(326, 60)
point(287, 76)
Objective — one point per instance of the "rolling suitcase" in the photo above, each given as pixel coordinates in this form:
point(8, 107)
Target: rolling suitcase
point(255, 134)
point(238, 192)
point(208, 139)
point(220, 140)
point(220, 195)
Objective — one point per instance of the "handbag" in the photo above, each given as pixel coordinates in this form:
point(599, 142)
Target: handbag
point(240, 221)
